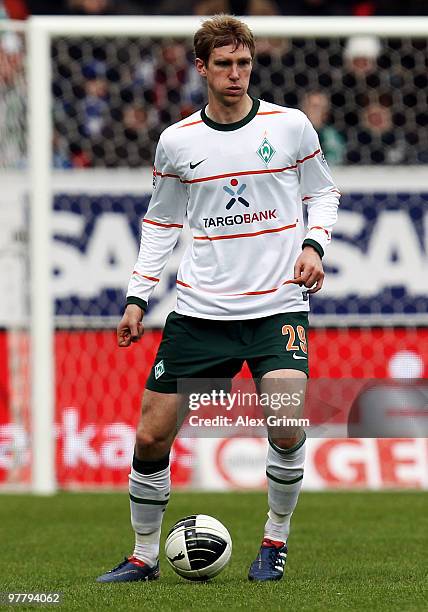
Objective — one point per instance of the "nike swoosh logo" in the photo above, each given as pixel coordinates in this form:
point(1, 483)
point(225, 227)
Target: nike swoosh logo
point(298, 356)
point(193, 166)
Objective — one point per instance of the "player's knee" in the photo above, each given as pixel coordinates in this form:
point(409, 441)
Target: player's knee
point(144, 439)
point(147, 442)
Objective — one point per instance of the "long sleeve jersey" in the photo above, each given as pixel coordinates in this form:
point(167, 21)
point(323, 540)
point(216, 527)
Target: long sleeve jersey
point(241, 187)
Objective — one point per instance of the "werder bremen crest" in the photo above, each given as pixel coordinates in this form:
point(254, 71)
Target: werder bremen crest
point(266, 151)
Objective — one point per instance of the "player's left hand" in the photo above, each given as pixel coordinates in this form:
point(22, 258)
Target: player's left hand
point(308, 270)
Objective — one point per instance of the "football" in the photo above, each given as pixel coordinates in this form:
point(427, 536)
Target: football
point(198, 547)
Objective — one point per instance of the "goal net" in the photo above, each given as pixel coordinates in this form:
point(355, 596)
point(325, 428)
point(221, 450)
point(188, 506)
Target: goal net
point(15, 419)
point(98, 92)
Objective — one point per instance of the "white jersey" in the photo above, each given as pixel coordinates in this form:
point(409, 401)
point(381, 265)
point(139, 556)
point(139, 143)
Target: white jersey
point(241, 186)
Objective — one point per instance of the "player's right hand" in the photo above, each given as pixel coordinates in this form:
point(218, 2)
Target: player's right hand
point(130, 328)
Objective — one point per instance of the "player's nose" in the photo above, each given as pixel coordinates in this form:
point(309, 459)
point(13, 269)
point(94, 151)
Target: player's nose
point(234, 74)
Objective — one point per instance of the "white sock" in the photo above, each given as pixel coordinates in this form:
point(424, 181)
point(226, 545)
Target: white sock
point(284, 470)
point(147, 547)
point(149, 495)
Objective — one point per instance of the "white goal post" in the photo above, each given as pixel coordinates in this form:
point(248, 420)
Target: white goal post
point(40, 32)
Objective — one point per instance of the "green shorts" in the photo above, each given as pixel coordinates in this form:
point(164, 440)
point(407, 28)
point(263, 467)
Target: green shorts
point(202, 348)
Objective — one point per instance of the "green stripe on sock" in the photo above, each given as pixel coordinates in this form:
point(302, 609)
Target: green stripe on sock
point(286, 482)
point(154, 502)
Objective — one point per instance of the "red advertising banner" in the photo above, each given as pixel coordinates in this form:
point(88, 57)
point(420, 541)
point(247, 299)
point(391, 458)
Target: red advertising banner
point(351, 463)
point(98, 397)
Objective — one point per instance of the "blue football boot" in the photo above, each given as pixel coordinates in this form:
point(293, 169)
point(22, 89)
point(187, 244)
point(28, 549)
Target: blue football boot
point(131, 570)
point(270, 561)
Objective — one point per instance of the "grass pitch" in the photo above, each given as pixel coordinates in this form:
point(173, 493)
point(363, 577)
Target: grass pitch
point(348, 551)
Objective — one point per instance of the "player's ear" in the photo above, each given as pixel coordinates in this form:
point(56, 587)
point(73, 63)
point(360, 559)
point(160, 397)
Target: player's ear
point(200, 67)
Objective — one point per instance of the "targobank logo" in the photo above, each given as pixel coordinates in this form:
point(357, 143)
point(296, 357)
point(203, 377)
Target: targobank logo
point(236, 195)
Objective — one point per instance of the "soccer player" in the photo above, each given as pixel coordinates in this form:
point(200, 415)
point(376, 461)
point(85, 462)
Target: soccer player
point(239, 169)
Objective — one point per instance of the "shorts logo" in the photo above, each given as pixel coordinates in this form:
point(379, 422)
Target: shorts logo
point(159, 369)
point(236, 195)
point(266, 151)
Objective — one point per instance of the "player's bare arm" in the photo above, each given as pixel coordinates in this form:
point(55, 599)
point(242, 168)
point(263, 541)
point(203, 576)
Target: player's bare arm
point(130, 328)
point(308, 270)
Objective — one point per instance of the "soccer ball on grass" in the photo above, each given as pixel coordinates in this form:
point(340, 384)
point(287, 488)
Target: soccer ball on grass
point(198, 547)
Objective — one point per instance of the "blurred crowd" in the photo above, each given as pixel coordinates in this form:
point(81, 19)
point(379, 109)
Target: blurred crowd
point(366, 97)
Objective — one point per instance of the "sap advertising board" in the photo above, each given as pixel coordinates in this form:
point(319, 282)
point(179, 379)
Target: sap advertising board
point(376, 263)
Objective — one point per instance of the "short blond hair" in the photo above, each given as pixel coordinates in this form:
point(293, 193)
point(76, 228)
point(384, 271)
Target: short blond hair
point(220, 31)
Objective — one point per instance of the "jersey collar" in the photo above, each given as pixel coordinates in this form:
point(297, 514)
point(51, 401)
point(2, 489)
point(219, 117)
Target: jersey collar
point(228, 127)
